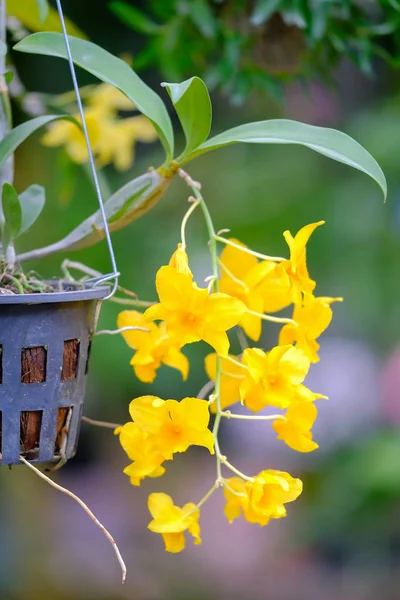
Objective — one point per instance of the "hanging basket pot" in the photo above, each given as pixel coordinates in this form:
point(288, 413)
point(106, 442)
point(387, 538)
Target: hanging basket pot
point(44, 352)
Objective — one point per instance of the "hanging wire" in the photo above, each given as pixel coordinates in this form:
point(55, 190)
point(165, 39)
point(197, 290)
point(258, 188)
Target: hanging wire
point(115, 274)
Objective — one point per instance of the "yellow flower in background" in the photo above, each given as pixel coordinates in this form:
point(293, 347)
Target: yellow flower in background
point(112, 139)
point(192, 314)
point(296, 266)
point(261, 499)
point(272, 377)
point(261, 286)
point(312, 318)
point(295, 427)
point(171, 521)
point(68, 134)
point(109, 99)
point(153, 348)
point(142, 449)
point(173, 426)
point(118, 138)
point(230, 379)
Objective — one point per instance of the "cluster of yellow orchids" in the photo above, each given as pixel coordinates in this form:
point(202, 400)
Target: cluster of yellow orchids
point(244, 289)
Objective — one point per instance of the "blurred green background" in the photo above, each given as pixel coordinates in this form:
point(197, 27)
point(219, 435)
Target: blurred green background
point(341, 539)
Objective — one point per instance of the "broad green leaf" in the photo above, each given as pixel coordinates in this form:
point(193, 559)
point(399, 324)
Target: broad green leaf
point(16, 136)
point(193, 106)
point(134, 18)
point(12, 214)
point(127, 204)
point(109, 69)
point(30, 13)
point(332, 143)
point(32, 201)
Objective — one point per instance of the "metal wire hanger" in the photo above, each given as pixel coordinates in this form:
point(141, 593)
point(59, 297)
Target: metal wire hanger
point(115, 273)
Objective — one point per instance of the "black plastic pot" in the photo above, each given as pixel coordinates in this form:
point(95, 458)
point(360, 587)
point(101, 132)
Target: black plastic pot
point(44, 352)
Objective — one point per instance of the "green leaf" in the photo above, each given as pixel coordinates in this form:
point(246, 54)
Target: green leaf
point(12, 214)
point(9, 76)
point(134, 18)
point(32, 201)
point(127, 204)
point(16, 136)
point(193, 106)
point(332, 143)
point(43, 9)
point(109, 69)
point(263, 10)
point(203, 17)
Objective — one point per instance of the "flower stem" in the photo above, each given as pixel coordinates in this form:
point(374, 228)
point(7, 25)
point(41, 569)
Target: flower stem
point(121, 330)
point(185, 219)
point(235, 470)
point(236, 362)
point(271, 318)
point(229, 415)
point(128, 302)
point(215, 272)
point(248, 251)
point(231, 276)
point(101, 423)
point(206, 496)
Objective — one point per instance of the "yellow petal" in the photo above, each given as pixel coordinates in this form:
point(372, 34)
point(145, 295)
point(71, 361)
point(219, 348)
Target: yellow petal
point(218, 340)
point(295, 364)
point(238, 262)
point(223, 311)
point(133, 318)
point(131, 439)
point(174, 289)
point(175, 359)
point(179, 261)
point(146, 373)
point(147, 413)
point(158, 504)
point(174, 542)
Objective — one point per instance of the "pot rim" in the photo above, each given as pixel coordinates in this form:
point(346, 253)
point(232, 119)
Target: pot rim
point(77, 295)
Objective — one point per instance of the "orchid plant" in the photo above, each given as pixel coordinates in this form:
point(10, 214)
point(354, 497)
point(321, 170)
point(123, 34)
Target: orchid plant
point(245, 288)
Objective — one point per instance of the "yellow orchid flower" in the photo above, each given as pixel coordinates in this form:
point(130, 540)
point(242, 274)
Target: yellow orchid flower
point(172, 425)
point(153, 348)
point(117, 140)
point(230, 379)
point(270, 491)
point(192, 314)
point(112, 139)
point(261, 499)
point(272, 377)
point(142, 449)
point(171, 521)
point(296, 266)
point(66, 133)
point(109, 99)
point(312, 318)
point(261, 286)
point(295, 427)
